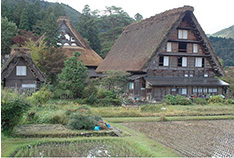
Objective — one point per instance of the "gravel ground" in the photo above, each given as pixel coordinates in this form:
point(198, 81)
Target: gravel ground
point(192, 138)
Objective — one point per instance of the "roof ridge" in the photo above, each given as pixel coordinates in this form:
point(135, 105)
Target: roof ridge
point(149, 21)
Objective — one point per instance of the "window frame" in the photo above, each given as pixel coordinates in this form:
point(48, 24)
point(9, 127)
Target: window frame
point(21, 70)
point(182, 34)
point(169, 47)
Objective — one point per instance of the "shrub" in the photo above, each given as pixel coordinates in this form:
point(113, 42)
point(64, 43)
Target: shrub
point(81, 121)
point(229, 101)
point(109, 102)
point(41, 97)
point(200, 101)
point(12, 108)
point(177, 100)
point(216, 99)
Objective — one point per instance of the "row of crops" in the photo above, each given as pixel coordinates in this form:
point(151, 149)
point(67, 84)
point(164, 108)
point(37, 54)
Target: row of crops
point(80, 148)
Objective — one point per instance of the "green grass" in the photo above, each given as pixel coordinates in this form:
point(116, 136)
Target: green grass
point(171, 110)
point(169, 118)
point(139, 142)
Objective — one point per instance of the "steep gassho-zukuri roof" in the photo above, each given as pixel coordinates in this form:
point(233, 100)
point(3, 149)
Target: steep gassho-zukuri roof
point(12, 62)
point(88, 55)
point(140, 41)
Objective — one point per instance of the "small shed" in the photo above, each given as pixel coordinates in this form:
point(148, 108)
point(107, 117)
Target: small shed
point(20, 72)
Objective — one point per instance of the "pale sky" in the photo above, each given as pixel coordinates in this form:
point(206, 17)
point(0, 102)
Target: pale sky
point(213, 15)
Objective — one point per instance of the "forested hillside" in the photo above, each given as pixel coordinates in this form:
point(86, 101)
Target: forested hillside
point(99, 28)
point(225, 33)
point(224, 48)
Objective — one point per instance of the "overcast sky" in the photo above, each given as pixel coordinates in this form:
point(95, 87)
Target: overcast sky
point(213, 15)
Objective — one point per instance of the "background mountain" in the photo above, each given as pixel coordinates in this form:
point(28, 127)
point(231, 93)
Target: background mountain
point(225, 33)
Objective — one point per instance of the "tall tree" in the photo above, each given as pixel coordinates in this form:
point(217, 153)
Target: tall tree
point(8, 30)
point(88, 29)
point(73, 76)
point(24, 20)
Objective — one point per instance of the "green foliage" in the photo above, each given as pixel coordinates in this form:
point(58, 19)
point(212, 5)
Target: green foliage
point(82, 118)
point(24, 20)
point(115, 81)
point(41, 97)
point(151, 108)
point(177, 100)
point(224, 49)
point(225, 33)
point(216, 99)
point(229, 101)
point(73, 76)
point(12, 108)
point(200, 101)
point(229, 78)
point(88, 28)
point(8, 30)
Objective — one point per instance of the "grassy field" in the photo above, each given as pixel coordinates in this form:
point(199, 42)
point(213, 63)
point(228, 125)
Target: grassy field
point(168, 118)
point(165, 110)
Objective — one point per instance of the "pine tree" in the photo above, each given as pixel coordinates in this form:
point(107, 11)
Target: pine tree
point(73, 76)
point(24, 20)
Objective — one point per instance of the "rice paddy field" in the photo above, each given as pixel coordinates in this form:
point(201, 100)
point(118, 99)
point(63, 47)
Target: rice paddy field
point(82, 148)
point(191, 138)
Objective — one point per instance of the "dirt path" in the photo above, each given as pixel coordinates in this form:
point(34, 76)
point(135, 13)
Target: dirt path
point(192, 138)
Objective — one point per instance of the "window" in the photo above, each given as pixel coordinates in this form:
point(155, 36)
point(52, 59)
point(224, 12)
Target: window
point(182, 91)
point(163, 61)
point(194, 90)
point(199, 90)
point(173, 90)
point(7, 56)
point(204, 90)
point(190, 75)
point(205, 75)
point(160, 62)
point(195, 50)
point(66, 44)
point(185, 75)
point(168, 46)
point(215, 90)
point(20, 70)
point(210, 90)
point(28, 85)
point(182, 61)
point(182, 47)
point(72, 39)
point(198, 62)
point(182, 34)
point(131, 85)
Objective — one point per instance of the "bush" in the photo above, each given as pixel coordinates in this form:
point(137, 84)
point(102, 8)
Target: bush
point(200, 101)
point(229, 101)
point(41, 97)
point(216, 99)
point(177, 100)
point(109, 102)
point(12, 108)
point(80, 121)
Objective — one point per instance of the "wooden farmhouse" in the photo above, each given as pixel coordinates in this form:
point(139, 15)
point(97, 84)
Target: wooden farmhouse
point(20, 72)
point(72, 41)
point(168, 53)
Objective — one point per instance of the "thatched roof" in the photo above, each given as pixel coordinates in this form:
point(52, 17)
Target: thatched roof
point(88, 55)
point(12, 62)
point(140, 41)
